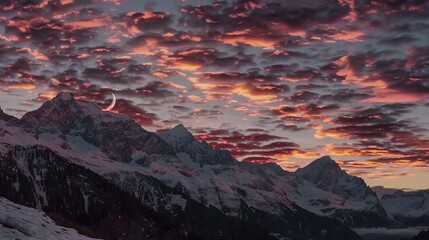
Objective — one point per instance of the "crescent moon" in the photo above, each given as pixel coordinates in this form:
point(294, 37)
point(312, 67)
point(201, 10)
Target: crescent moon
point(112, 105)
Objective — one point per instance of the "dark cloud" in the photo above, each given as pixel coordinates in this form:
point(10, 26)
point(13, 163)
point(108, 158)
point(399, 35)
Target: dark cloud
point(115, 71)
point(237, 77)
point(139, 68)
point(401, 8)
point(251, 146)
point(181, 108)
point(397, 73)
point(291, 127)
point(380, 133)
point(257, 14)
point(22, 65)
point(299, 14)
point(259, 159)
point(208, 57)
point(207, 113)
point(149, 20)
point(139, 115)
point(176, 39)
point(345, 95)
point(281, 68)
point(105, 50)
point(236, 137)
point(316, 109)
point(154, 89)
point(406, 39)
point(304, 96)
point(285, 55)
point(67, 79)
point(47, 33)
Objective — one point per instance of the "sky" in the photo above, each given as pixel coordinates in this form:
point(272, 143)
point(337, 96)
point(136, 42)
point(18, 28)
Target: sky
point(271, 81)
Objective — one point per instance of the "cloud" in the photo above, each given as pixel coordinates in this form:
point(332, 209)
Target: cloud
point(148, 20)
point(256, 146)
point(196, 58)
point(138, 114)
point(379, 134)
point(304, 96)
point(154, 89)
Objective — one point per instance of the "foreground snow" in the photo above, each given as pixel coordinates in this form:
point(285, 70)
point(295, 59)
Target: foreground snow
point(20, 222)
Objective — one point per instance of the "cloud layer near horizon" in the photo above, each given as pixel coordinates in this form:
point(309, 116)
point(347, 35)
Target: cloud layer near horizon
point(282, 81)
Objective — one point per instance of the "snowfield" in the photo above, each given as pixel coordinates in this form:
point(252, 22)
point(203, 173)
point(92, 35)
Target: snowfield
point(24, 223)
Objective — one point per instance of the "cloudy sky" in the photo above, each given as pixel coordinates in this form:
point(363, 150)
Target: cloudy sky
point(283, 81)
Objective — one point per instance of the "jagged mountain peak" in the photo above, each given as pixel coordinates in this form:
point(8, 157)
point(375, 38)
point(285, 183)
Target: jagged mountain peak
point(117, 135)
point(83, 107)
point(326, 174)
point(7, 118)
point(180, 131)
point(324, 160)
point(64, 109)
point(66, 96)
point(182, 140)
point(321, 166)
point(179, 137)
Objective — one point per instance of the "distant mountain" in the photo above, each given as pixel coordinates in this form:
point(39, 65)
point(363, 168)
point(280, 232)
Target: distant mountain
point(407, 208)
point(381, 191)
point(89, 166)
point(353, 203)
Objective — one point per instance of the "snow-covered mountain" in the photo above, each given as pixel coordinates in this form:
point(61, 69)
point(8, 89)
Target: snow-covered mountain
point(321, 187)
point(118, 136)
point(21, 222)
point(353, 202)
point(61, 169)
point(184, 142)
point(172, 174)
point(40, 177)
point(381, 190)
point(407, 208)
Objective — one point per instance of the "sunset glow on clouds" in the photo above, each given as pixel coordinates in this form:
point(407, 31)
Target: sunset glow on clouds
point(282, 81)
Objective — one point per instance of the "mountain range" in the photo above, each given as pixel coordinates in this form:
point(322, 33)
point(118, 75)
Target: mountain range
point(104, 175)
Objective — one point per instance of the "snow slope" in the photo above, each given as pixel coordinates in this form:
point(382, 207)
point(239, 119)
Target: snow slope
point(407, 207)
point(350, 191)
point(21, 222)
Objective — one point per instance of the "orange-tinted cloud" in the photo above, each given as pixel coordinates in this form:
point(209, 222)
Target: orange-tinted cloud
point(22, 85)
